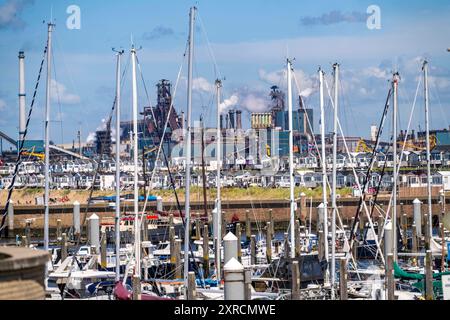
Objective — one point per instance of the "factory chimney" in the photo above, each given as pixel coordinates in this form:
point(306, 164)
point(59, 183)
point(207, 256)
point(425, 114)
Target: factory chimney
point(231, 118)
point(238, 120)
point(221, 121)
point(22, 96)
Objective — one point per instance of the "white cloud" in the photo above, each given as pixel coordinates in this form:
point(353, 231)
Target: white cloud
point(307, 83)
point(201, 84)
point(59, 93)
point(254, 102)
point(229, 103)
point(10, 12)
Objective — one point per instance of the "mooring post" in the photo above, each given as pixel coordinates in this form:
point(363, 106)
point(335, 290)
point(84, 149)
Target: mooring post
point(429, 295)
point(239, 247)
point(172, 240)
point(28, 232)
point(230, 247)
point(136, 287)
point(234, 280)
point(415, 247)
point(24, 242)
point(287, 247)
point(343, 276)
point(64, 247)
point(390, 284)
point(295, 273)
point(427, 232)
point(272, 224)
point(145, 228)
point(206, 250)
point(94, 231)
point(76, 219)
point(58, 230)
point(11, 218)
point(253, 250)
point(248, 226)
point(198, 230)
point(177, 254)
point(320, 245)
point(248, 283)
point(224, 224)
point(417, 216)
point(192, 292)
point(170, 220)
point(103, 249)
point(404, 229)
point(268, 242)
point(297, 239)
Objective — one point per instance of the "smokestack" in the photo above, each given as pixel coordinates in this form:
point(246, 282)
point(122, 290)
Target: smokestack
point(227, 124)
point(231, 117)
point(239, 120)
point(22, 95)
point(221, 121)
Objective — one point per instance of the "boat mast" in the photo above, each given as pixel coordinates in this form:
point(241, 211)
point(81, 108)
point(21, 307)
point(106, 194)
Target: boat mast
point(394, 163)
point(324, 170)
point(334, 182)
point(117, 216)
point(218, 215)
point(188, 152)
point(137, 234)
point(47, 137)
point(427, 128)
point(291, 160)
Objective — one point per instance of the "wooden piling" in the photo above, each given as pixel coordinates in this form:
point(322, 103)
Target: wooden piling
point(191, 292)
point(145, 229)
point(404, 228)
point(206, 250)
point(295, 273)
point(248, 283)
point(224, 224)
point(197, 227)
point(427, 232)
point(63, 247)
point(248, 225)
point(253, 250)
point(389, 277)
point(429, 295)
point(268, 242)
point(103, 249)
point(287, 247)
point(272, 224)
point(58, 230)
point(298, 248)
point(239, 246)
point(415, 247)
point(172, 240)
point(136, 288)
point(343, 276)
point(177, 255)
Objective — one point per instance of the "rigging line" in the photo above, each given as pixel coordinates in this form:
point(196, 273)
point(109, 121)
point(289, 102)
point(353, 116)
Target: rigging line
point(404, 145)
point(356, 176)
point(22, 142)
point(166, 124)
point(167, 163)
point(59, 96)
point(211, 52)
point(97, 166)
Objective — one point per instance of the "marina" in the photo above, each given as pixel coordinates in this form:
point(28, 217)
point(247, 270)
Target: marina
point(238, 205)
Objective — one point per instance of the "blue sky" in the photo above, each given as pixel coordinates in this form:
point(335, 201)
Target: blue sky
point(249, 40)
